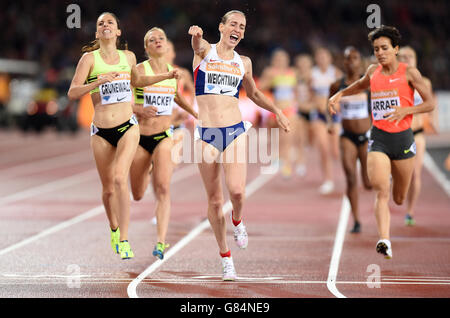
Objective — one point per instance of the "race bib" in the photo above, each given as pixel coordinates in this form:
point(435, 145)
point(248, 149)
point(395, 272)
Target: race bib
point(161, 97)
point(354, 106)
point(382, 103)
point(117, 91)
point(222, 79)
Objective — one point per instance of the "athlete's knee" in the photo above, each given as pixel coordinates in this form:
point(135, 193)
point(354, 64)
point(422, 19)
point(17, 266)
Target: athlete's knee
point(382, 194)
point(120, 180)
point(107, 192)
point(351, 179)
point(162, 190)
point(237, 194)
point(399, 198)
point(215, 203)
point(137, 194)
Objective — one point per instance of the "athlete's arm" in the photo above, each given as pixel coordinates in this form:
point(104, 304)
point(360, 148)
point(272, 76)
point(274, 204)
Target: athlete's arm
point(417, 82)
point(356, 87)
point(180, 100)
point(140, 80)
point(199, 44)
point(334, 88)
point(259, 98)
point(139, 109)
point(265, 80)
point(78, 88)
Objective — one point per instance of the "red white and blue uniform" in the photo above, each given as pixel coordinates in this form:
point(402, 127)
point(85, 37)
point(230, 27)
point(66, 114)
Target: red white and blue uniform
point(218, 76)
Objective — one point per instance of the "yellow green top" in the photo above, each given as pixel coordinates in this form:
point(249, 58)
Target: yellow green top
point(100, 67)
point(168, 83)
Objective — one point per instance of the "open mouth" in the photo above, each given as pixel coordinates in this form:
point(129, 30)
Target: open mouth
point(107, 31)
point(234, 38)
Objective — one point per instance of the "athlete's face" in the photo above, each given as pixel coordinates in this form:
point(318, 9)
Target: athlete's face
point(323, 58)
point(107, 27)
point(232, 32)
point(303, 63)
point(384, 51)
point(280, 59)
point(352, 61)
point(156, 43)
point(406, 55)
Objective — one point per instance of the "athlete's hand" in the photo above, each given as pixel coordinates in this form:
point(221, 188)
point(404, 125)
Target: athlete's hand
point(333, 103)
point(148, 112)
point(175, 73)
point(283, 122)
point(397, 114)
point(196, 31)
point(107, 78)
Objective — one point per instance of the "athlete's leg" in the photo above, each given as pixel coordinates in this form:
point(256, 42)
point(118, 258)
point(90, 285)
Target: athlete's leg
point(301, 140)
point(126, 149)
point(162, 174)
point(140, 173)
point(402, 171)
point(379, 171)
point(362, 155)
point(210, 173)
point(349, 154)
point(334, 140)
point(235, 170)
point(322, 141)
point(416, 182)
point(103, 152)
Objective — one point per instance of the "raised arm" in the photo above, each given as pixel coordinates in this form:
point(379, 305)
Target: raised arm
point(259, 98)
point(78, 88)
point(200, 46)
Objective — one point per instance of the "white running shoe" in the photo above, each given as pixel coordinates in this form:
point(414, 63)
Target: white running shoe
point(240, 235)
point(327, 187)
point(384, 247)
point(229, 273)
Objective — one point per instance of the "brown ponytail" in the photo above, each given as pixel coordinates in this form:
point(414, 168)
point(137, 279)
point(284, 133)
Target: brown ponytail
point(95, 45)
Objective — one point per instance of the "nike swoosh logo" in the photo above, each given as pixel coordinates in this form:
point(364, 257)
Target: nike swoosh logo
point(120, 99)
point(393, 80)
point(406, 151)
point(232, 133)
point(224, 92)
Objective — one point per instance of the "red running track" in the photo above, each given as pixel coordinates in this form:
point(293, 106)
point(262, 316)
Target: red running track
point(55, 237)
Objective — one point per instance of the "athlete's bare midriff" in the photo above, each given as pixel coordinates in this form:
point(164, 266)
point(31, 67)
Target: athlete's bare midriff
point(108, 116)
point(218, 111)
point(154, 125)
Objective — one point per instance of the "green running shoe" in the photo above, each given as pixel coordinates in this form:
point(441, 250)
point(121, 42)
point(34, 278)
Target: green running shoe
point(125, 250)
point(409, 220)
point(159, 249)
point(115, 239)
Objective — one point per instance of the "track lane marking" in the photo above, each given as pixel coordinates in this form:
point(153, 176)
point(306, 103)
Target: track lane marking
point(252, 187)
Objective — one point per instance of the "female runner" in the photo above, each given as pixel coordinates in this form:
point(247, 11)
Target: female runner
point(106, 73)
point(391, 144)
point(218, 74)
point(156, 143)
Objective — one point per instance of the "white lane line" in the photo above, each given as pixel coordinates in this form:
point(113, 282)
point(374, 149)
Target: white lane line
point(257, 183)
point(49, 187)
point(337, 248)
point(437, 174)
point(178, 176)
point(47, 164)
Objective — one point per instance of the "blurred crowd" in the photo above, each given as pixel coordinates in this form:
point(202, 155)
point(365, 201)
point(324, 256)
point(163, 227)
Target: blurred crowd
point(37, 31)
